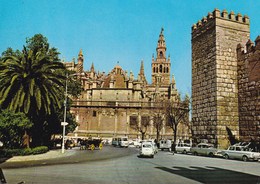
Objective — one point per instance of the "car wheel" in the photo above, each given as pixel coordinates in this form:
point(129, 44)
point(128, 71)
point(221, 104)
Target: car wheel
point(245, 158)
point(195, 153)
point(152, 156)
point(211, 154)
point(226, 156)
point(184, 152)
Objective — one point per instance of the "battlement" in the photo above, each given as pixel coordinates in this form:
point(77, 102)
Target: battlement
point(222, 15)
point(249, 47)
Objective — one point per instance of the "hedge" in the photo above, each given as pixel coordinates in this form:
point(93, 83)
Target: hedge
point(22, 152)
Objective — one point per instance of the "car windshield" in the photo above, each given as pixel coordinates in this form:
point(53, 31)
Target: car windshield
point(124, 139)
point(147, 145)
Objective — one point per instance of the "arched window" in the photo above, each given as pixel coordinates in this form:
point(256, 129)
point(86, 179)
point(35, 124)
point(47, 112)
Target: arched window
point(160, 68)
point(153, 69)
point(161, 54)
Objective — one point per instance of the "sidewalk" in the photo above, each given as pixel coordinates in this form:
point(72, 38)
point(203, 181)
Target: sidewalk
point(49, 155)
point(70, 156)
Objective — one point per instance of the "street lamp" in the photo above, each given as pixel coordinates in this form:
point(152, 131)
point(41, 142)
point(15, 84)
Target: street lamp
point(64, 123)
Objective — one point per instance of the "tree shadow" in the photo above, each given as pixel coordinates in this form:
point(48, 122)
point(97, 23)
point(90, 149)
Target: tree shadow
point(231, 137)
point(213, 175)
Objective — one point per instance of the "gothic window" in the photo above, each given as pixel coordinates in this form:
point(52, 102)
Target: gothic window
point(156, 70)
point(94, 113)
point(164, 69)
point(153, 69)
point(133, 121)
point(167, 70)
point(160, 68)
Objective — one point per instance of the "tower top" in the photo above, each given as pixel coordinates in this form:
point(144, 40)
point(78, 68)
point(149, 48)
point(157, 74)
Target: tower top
point(161, 40)
point(221, 15)
point(80, 53)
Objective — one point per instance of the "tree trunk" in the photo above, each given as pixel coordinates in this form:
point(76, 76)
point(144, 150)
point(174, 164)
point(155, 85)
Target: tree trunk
point(26, 140)
point(143, 133)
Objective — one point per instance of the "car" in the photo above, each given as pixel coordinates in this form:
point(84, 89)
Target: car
point(147, 149)
point(154, 145)
point(136, 143)
point(183, 148)
point(123, 142)
point(165, 144)
point(115, 142)
point(241, 153)
point(204, 149)
point(155, 148)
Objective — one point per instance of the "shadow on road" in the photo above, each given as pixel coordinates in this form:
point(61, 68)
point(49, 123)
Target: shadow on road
point(213, 175)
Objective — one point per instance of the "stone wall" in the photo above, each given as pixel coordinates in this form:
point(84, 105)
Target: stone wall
point(249, 90)
point(214, 75)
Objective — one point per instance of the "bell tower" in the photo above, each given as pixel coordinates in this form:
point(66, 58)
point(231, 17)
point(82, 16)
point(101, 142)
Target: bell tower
point(80, 62)
point(161, 65)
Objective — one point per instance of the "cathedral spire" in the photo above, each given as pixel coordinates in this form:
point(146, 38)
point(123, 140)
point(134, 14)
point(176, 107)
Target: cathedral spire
point(80, 53)
point(92, 69)
point(80, 62)
point(141, 73)
point(161, 46)
point(142, 68)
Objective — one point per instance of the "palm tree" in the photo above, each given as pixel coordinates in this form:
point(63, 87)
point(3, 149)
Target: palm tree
point(31, 83)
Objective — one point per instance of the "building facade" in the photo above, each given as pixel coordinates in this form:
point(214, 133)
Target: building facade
point(221, 79)
point(112, 104)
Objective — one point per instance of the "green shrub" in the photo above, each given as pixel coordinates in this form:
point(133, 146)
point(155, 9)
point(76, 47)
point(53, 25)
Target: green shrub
point(40, 150)
point(5, 153)
point(27, 151)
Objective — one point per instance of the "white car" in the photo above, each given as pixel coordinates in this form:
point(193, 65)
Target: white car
point(147, 149)
point(204, 149)
point(165, 144)
point(123, 142)
point(183, 148)
point(136, 143)
point(240, 152)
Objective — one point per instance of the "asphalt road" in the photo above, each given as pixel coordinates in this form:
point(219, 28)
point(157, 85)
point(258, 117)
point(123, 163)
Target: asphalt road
point(128, 168)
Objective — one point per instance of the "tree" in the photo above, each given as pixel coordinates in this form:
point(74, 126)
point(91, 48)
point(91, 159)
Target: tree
point(32, 83)
point(10, 52)
point(176, 112)
point(12, 128)
point(141, 126)
point(158, 119)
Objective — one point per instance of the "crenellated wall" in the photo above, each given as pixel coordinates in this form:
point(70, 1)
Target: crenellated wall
point(214, 75)
point(249, 90)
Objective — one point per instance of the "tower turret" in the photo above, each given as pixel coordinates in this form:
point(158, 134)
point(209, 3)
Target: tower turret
point(161, 65)
point(80, 62)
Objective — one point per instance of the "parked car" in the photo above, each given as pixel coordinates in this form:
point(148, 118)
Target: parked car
point(165, 144)
point(123, 142)
point(147, 149)
point(115, 142)
point(204, 149)
point(241, 153)
point(136, 143)
point(183, 148)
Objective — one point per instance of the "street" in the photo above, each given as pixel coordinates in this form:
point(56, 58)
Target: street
point(130, 169)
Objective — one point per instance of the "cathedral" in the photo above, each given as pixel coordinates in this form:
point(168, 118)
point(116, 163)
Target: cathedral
point(114, 104)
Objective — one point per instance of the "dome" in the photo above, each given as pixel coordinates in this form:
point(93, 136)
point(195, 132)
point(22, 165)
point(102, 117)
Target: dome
point(118, 76)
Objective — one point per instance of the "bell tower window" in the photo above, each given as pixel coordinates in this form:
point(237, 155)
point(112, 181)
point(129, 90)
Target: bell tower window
point(161, 54)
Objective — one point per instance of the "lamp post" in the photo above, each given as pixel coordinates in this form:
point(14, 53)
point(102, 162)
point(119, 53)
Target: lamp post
point(64, 123)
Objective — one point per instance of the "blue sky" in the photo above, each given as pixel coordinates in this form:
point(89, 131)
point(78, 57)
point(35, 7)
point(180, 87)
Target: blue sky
point(109, 31)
